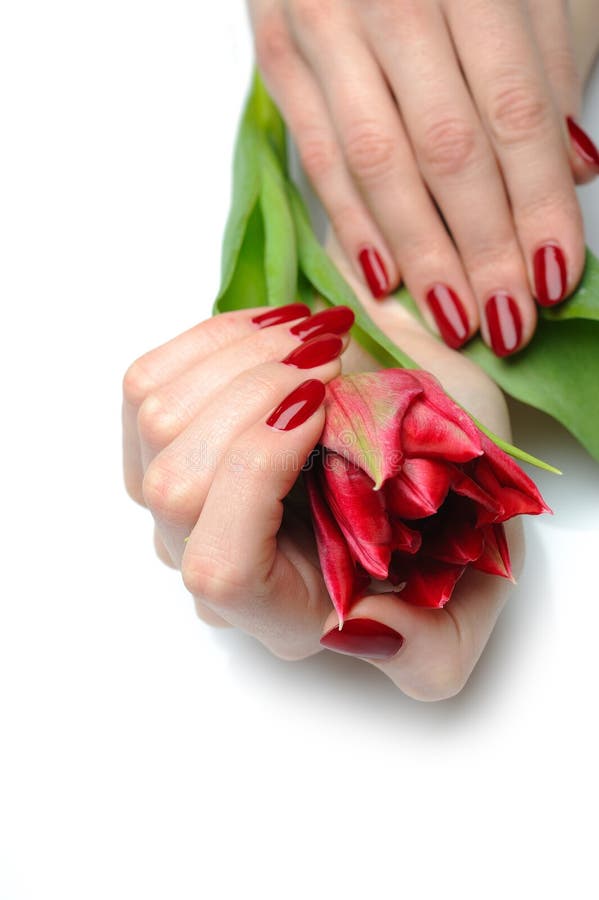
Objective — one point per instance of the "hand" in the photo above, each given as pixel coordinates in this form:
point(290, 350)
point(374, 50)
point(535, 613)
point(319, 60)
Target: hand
point(199, 452)
point(438, 135)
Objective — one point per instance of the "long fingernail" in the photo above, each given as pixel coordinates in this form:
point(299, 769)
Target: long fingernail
point(505, 323)
point(278, 314)
point(363, 637)
point(583, 144)
point(298, 406)
point(449, 314)
point(336, 320)
point(316, 352)
point(549, 264)
point(375, 272)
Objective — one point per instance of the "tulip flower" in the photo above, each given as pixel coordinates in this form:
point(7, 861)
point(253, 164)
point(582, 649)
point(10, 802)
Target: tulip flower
point(404, 488)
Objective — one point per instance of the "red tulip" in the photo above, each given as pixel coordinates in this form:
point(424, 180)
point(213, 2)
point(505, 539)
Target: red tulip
point(406, 489)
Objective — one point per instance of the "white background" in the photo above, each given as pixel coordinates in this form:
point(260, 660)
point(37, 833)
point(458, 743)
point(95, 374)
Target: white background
point(142, 754)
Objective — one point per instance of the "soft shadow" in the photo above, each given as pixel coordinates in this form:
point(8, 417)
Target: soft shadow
point(347, 688)
point(574, 495)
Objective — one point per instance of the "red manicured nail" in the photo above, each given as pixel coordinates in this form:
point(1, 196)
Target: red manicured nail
point(298, 406)
point(316, 352)
point(505, 323)
point(363, 637)
point(449, 314)
point(278, 314)
point(336, 320)
point(375, 272)
point(583, 144)
point(549, 265)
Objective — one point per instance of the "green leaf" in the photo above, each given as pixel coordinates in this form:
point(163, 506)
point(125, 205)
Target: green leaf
point(320, 270)
point(247, 286)
point(280, 256)
point(267, 119)
point(558, 373)
point(584, 302)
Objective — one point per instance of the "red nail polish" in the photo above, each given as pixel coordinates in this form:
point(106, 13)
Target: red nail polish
point(549, 264)
point(316, 352)
point(336, 320)
point(449, 314)
point(298, 406)
point(505, 323)
point(584, 146)
point(363, 637)
point(276, 315)
point(375, 272)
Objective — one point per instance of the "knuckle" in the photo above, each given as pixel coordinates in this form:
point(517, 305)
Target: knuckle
point(272, 42)
point(516, 112)
point(167, 495)
point(448, 146)
point(550, 206)
point(369, 151)
point(318, 156)
point(311, 15)
point(137, 382)
point(156, 423)
point(211, 579)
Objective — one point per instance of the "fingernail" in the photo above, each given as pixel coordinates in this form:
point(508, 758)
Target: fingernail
point(316, 352)
point(363, 637)
point(278, 314)
point(583, 144)
point(336, 320)
point(505, 323)
point(449, 314)
point(298, 406)
point(374, 271)
point(549, 265)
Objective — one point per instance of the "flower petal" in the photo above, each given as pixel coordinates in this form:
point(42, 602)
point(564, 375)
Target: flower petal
point(503, 478)
point(360, 512)
point(428, 583)
point(364, 415)
point(495, 558)
point(435, 426)
point(457, 542)
point(489, 509)
point(336, 562)
point(419, 489)
point(406, 539)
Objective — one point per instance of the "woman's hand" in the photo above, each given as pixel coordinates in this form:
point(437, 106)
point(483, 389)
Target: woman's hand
point(439, 137)
point(208, 453)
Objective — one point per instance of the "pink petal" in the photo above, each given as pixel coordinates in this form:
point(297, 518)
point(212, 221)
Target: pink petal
point(364, 415)
point(429, 583)
point(436, 427)
point(359, 511)
point(419, 489)
point(495, 558)
point(335, 559)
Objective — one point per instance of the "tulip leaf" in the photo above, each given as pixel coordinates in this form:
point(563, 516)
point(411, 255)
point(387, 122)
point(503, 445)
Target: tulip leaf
point(280, 256)
point(558, 373)
point(584, 302)
point(247, 283)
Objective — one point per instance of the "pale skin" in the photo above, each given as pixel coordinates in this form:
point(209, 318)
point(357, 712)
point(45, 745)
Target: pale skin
point(434, 132)
point(194, 417)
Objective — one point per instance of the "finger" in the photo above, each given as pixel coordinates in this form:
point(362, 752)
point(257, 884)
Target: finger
point(552, 29)
point(235, 559)
point(503, 68)
point(178, 479)
point(429, 654)
point(167, 411)
point(296, 92)
point(456, 161)
point(152, 371)
point(380, 160)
